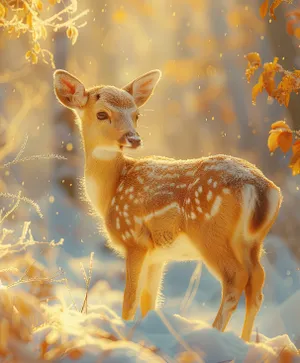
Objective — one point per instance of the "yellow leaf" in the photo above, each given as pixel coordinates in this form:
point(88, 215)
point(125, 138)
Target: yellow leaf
point(297, 33)
point(72, 33)
point(39, 4)
point(34, 58)
point(2, 11)
point(273, 140)
point(296, 147)
point(280, 124)
point(274, 5)
point(295, 164)
point(43, 32)
point(263, 10)
point(253, 57)
point(280, 137)
point(37, 47)
point(29, 20)
point(285, 140)
point(28, 54)
point(257, 88)
point(75, 353)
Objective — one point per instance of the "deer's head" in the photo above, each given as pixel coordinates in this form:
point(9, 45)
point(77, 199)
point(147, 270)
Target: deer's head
point(107, 115)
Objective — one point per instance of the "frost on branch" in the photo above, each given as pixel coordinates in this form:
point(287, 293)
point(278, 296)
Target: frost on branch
point(290, 81)
point(35, 18)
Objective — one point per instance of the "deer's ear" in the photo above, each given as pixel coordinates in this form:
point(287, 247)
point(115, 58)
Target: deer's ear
point(142, 87)
point(69, 90)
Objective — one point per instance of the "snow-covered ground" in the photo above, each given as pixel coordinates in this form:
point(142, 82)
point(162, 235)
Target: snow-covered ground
point(177, 329)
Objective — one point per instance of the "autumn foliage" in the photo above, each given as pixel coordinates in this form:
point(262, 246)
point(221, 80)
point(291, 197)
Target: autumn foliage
point(266, 6)
point(281, 136)
point(290, 81)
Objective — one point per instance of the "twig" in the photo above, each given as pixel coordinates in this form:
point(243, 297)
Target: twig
point(23, 199)
point(34, 157)
point(192, 288)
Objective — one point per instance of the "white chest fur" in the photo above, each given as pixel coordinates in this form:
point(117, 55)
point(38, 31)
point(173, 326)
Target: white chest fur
point(182, 249)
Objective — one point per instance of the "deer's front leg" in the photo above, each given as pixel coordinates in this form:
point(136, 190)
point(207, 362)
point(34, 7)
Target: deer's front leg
point(136, 271)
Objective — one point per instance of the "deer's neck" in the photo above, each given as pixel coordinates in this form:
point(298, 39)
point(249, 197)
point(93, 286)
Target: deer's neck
point(103, 170)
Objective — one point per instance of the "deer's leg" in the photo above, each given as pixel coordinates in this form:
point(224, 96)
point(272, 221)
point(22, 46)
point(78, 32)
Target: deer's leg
point(234, 279)
point(254, 296)
point(136, 270)
point(151, 288)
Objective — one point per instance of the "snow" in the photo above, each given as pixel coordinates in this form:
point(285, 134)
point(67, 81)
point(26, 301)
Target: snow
point(173, 331)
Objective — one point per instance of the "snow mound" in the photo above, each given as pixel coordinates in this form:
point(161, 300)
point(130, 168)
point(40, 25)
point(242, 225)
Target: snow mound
point(159, 337)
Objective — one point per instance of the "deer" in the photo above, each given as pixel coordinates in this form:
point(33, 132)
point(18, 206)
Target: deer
point(216, 209)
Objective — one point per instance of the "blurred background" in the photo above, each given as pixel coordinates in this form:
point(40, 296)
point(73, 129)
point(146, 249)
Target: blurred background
point(202, 106)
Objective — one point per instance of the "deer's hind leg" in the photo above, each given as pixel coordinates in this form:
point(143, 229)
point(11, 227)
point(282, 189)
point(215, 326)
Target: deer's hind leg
point(253, 291)
point(232, 274)
point(233, 278)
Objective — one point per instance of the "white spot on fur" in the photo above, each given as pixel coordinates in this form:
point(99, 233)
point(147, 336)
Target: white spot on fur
point(216, 206)
point(209, 181)
point(140, 180)
point(121, 187)
point(113, 201)
point(118, 223)
point(190, 173)
point(209, 195)
point(131, 196)
point(162, 211)
point(196, 194)
point(129, 190)
point(200, 189)
point(197, 201)
point(215, 184)
point(199, 209)
point(125, 206)
point(226, 191)
point(125, 214)
point(138, 220)
point(188, 201)
point(207, 216)
point(193, 215)
point(127, 235)
point(127, 220)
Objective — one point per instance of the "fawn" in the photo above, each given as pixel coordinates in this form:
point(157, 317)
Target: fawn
point(217, 209)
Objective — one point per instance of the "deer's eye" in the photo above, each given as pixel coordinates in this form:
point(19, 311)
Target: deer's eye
point(102, 116)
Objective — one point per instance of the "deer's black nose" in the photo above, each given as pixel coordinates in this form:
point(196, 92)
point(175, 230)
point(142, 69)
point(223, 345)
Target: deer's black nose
point(133, 139)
